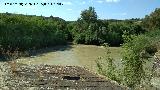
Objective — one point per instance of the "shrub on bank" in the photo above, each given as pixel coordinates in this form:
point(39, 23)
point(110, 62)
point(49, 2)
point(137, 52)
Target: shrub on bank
point(30, 32)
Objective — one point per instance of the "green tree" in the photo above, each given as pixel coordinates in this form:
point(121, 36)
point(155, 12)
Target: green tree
point(30, 32)
point(88, 29)
point(152, 21)
point(89, 16)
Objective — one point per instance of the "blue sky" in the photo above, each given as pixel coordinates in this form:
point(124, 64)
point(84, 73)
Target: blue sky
point(106, 9)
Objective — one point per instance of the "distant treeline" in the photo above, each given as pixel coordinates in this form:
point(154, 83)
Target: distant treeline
point(25, 32)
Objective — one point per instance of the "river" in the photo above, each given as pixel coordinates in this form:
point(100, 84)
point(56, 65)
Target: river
point(75, 55)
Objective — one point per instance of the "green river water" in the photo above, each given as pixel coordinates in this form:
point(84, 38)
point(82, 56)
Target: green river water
point(75, 55)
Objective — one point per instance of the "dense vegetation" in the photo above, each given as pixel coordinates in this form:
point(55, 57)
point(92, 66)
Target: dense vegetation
point(137, 50)
point(88, 29)
point(27, 32)
point(20, 32)
point(152, 21)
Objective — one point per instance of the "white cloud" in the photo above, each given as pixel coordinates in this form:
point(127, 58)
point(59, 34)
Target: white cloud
point(112, 1)
point(67, 3)
point(83, 2)
point(108, 1)
point(45, 0)
point(100, 1)
point(123, 14)
point(90, 1)
point(29, 7)
point(69, 9)
point(120, 14)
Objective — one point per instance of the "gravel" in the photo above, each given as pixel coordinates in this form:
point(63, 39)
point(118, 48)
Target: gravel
point(52, 77)
point(5, 71)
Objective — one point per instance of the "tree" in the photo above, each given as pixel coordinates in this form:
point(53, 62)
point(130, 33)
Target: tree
point(30, 32)
point(89, 16)
point(88, 29)
point(152, 21)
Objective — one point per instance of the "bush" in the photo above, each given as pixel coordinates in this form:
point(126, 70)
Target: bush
point(107, 67)
point(30, 32)
point(136, 53)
